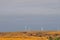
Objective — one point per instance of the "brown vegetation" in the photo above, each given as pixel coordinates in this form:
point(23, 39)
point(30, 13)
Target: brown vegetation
point(33, 35)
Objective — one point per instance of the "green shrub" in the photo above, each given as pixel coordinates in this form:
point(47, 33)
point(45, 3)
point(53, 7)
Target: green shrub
point(57, 38)
point(50, 38)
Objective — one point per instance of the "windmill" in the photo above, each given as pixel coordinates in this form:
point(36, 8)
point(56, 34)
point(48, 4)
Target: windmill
point(27, 28)
point(42, 29)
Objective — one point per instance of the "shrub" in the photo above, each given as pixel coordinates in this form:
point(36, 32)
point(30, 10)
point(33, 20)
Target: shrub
point(57, 38)
point(50, 38)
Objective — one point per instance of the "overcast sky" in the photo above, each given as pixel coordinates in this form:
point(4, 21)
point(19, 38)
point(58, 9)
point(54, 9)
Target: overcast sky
point(16, 14)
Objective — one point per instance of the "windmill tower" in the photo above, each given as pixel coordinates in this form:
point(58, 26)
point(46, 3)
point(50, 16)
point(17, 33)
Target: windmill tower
point(42, 29)
point(26, 28)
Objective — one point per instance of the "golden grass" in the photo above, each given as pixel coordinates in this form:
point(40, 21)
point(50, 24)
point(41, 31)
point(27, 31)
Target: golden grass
point(32, 38)
point(27, 35)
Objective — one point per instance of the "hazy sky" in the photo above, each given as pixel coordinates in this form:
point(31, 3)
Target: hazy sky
point(16, 14)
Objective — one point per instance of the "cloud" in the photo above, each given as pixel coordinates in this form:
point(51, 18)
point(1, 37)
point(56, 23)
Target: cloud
point(12, 20)
point(16, 7)
point(36, 1)
point(38, 7)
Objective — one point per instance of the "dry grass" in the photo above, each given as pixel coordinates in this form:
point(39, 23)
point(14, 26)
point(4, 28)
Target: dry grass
point(32, 38)
point(33, 35)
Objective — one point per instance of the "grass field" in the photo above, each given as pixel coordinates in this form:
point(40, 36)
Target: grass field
point(32, 38)
point(32, 35)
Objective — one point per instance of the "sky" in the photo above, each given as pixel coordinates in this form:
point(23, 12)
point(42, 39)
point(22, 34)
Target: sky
point(16, 14)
